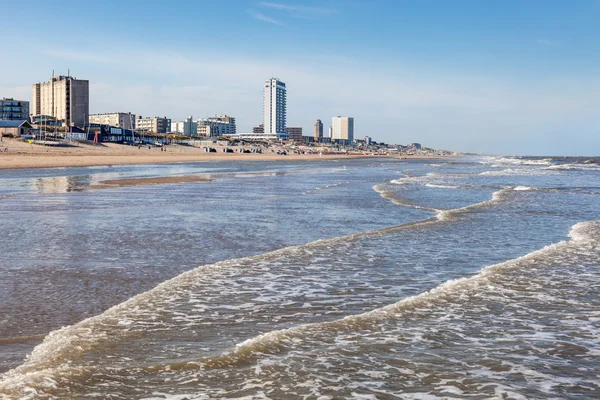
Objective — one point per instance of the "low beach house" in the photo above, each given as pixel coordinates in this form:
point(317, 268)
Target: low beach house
point(14, 128)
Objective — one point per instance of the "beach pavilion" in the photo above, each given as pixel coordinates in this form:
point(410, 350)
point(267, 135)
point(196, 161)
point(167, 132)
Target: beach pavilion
point(14, 128)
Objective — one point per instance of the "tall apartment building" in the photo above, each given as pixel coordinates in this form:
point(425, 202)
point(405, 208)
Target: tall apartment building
point(294, 133)
point(274, 106)
point(118, 119)
point(318, 133)
point(14, 110)
point(65, 98)
point(156, 124)
point(342, 129)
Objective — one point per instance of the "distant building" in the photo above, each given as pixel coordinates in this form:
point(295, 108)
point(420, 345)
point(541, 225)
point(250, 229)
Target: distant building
point(294, 133)
point(187, 127)
point(367, 140)
point(415, 146)
point(330, 135)
point(14, 128)
point(118, 119)
point(318, 130)
point(274, 106)
point(156, 124)
point(203, 130)
point(219, 125)
point(44, 120)
point(65, 98)
point(14, 110)
point(232, 129)
point(177, 126)
point(342, 129)
point(259, 129)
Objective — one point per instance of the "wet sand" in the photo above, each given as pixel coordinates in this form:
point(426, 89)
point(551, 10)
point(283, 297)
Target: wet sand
point(152, 181)
point(24, 155)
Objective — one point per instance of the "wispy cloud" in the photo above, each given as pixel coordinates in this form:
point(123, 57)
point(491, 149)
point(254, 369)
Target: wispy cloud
point(546, 42)
point(262, 17)
point(297, 9)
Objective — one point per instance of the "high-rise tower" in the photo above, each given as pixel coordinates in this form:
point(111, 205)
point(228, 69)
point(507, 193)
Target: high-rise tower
point(65, 98)
point(275, 107)
point(318, 130)
point(343, 129)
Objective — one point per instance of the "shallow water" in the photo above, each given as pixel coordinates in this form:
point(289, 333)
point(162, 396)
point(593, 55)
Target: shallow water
point(371, 278)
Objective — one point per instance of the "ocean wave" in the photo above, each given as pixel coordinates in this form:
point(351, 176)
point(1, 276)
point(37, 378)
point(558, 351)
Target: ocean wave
point(53, 356)
point(518, 171)
point(574, 167)
point(523, 188)
point(325, 187)
point(450, 215)
point(433, 185)
point(279, 340)
point(522, 161)
point(388, 195)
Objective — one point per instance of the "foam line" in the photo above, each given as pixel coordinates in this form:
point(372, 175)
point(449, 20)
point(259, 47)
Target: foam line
point(274, 341)
point(71, 342)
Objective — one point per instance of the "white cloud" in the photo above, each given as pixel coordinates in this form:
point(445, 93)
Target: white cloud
point(262, 17)
point(298, 9)
point(546, 42)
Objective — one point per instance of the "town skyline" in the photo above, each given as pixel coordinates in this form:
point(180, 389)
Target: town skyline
point(524, 84)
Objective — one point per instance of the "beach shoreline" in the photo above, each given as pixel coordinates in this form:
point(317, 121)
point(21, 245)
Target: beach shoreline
point(21, 155)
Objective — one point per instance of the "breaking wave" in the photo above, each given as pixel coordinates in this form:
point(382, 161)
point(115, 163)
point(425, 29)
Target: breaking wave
point(279, 340)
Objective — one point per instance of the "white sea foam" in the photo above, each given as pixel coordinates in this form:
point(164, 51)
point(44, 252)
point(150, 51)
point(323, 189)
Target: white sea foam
point(519, 161)
point(447, 215)
point(432, 185)
point(272, 341)
point(523, 188)
point(519, 171)
point(575, 167)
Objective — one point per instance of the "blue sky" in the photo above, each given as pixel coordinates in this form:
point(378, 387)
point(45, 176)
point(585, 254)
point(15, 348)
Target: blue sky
point(497, 76)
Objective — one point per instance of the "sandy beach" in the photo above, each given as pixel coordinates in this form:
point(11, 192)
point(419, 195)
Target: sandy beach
point(18, 154)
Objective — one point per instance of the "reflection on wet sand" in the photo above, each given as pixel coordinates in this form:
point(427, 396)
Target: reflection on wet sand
point(151, 181)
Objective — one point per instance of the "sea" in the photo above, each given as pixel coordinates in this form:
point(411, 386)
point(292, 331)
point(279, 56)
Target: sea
point(375, 278)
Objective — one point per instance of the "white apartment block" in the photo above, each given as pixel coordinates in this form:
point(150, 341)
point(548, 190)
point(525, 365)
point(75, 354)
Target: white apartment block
point(177, 127)
point(274, 106)
point(342, 128)
point(217, 126)
point(118, 119)
point(187, 127)
point(65, 98)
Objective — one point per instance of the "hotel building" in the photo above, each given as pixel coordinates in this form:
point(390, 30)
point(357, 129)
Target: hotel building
point(342, 129)
point(65, 98)
point(274, 106)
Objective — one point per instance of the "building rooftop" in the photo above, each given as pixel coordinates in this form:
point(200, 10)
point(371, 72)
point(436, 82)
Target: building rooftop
point(13, 124)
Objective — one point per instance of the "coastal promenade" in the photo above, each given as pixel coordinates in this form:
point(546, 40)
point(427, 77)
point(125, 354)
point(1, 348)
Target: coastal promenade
point(20, 154)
